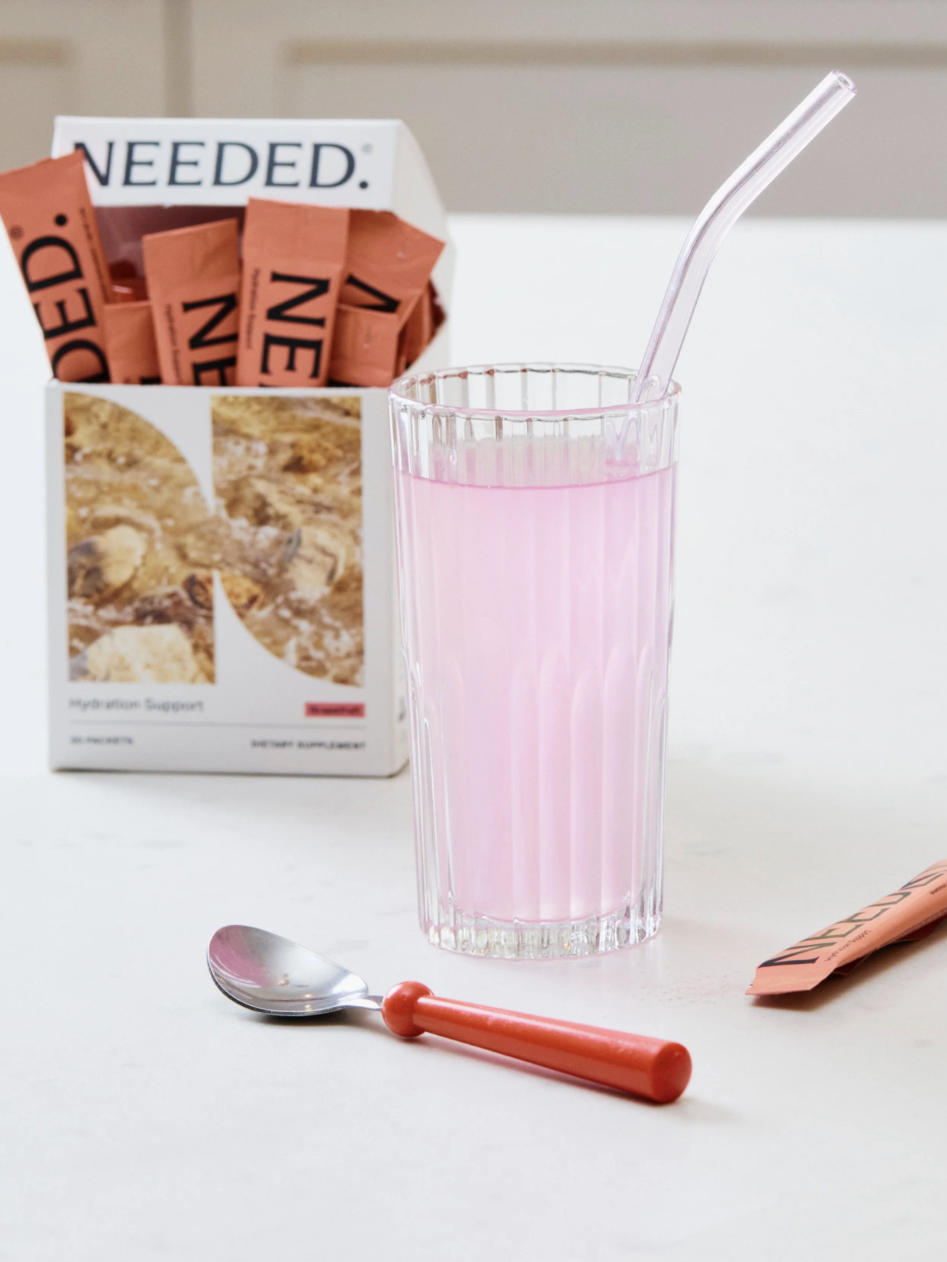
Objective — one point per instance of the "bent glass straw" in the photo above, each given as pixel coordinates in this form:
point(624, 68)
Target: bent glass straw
point(718, 217)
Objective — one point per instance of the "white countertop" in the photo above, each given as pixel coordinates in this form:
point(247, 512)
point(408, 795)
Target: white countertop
point(144, 1116)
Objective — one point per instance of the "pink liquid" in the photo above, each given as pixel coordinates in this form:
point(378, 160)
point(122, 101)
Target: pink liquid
point(537, 622)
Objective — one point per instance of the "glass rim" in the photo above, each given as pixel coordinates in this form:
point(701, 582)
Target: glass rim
point(397, 391)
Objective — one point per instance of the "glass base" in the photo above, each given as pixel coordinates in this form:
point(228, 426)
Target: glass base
point(548, 940)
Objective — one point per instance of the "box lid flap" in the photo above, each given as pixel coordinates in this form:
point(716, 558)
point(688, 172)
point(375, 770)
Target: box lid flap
point(370, 164)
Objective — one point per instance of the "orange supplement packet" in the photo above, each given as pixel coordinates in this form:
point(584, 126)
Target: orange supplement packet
point(416, 331)
point(51, 224)
point(293, 256)
point(193, 277)
point(364, 347)
point(386, 282)
point(908, 914)
point(130, 343)
point(388, 263)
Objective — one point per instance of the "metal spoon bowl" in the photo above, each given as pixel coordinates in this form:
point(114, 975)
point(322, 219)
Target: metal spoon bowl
point(268, 973)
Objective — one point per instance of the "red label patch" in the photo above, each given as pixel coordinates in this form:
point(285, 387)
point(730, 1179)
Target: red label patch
point(335, 710)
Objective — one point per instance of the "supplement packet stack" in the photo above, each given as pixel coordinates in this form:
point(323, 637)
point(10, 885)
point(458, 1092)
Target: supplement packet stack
point(321, 295)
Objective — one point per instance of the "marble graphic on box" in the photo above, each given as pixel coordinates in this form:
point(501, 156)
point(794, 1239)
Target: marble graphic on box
point(288, 480)
point(141, 546)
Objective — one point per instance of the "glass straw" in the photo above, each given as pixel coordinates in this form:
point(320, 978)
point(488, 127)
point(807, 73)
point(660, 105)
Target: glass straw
point(718, 217)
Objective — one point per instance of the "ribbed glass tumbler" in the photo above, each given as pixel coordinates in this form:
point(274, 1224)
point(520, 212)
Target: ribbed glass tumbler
point(535, 509)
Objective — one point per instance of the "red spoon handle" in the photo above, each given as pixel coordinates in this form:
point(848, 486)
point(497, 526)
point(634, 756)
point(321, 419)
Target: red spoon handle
point(642, 1066)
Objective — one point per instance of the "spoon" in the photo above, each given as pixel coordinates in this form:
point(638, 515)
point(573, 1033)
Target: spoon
point(270, 974)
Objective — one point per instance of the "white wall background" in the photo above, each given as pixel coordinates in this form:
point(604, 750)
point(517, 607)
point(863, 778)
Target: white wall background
point(634, 106)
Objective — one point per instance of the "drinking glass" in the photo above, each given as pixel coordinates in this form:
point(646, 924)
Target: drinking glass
point(535, 513)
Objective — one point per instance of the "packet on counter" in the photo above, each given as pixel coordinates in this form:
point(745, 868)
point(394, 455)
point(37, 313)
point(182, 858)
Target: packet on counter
point(52, 228)
point(293, 256)
point(193, 278)
point(130, 343)
point(907, 915)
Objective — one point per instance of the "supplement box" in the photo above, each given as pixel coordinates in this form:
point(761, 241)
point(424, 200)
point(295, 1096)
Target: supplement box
point(222, 588)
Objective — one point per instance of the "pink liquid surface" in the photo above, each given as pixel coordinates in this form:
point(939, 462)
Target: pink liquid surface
point(537, 625)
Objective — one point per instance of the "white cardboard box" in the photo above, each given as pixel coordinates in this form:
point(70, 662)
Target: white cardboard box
point(169, 651)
